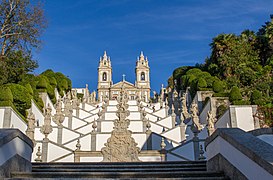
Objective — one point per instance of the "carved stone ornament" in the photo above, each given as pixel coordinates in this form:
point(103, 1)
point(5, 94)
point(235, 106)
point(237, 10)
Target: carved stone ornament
point(58, 118)
point(30, 126)
point(121, 146)
point(210, 123)
point(184, 107)
point(46, 129)
point(195, 119)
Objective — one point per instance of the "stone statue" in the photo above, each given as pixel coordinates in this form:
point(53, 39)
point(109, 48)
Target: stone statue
point(195, 118)
point(58, 118)
point(30, 126)
point(184, 107)
point(210, 123)
point(67, 107)
point(121, 146)
point(46, 129)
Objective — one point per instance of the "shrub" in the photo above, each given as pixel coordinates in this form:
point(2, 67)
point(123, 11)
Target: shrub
point(6, 94)
point(201, 83)
point(256, 97)
point(42, 84)
point(21, 98)
point(218, 86)
point(29, 88)
point(235, 94)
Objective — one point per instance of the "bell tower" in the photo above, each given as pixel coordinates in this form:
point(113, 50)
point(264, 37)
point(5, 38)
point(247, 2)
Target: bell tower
point(143, 77)
point(104, 77)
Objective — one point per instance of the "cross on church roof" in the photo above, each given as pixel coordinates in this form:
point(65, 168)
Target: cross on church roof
point(123, 77)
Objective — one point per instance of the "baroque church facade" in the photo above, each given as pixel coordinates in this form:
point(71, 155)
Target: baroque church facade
point(108, 90)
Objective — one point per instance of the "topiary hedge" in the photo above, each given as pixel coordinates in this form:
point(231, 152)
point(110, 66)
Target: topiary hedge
point(21, 98)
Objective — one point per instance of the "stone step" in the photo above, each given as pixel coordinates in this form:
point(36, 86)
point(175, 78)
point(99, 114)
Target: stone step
point(142, 165)
point(119, 170)
point(119, 175)
point(175, 163)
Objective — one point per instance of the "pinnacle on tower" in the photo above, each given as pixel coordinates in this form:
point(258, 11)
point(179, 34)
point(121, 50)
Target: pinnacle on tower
point(141, 57)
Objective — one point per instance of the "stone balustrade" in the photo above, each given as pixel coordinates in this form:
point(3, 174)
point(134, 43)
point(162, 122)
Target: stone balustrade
point(239, 154)
point(15, 152)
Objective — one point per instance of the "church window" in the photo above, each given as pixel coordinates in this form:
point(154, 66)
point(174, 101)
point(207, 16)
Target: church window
point(104, 76)
point(132, 97)
point(142, 76)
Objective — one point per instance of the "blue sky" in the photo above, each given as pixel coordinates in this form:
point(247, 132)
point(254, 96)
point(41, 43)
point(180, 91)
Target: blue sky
point(171, 33)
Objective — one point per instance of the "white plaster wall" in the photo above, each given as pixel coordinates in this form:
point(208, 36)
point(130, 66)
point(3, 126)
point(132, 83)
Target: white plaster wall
point(48, 101)
point(82, 114)
point(132, 102)
point(173, 134)
point(55, 151)
point(91, 159)
point(2, 111)
point(38, 136)
point(89, 107)
point(53, 135)
point(136, 126)
point(167, 122)
point(110, 116)
point(244, 118)
point(17, 122)
point(15, 146)
point(134, 116)
point(157, 106)
point(156, 128)
point(85, 143)
point(100, 140)
point(161, 113)
point(72, 145)
point(148, 109)
point(107, 126)
point(140, 139)
point(149, 158)
point(68, 135)
point(224, 121)
point(245, 165)
point(133, 108)
point(111, 108)
point(85, 129)
point(268, 138)
point(37, 113)
point(151, 117)
point(95, 111)
point(113, 102)
point(91, 118)
point(69, 158)
point(76, 122)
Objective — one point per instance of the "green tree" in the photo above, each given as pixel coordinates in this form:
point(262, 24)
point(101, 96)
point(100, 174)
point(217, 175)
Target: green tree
point(21, 25)
point(15, 66)
point(235, 94)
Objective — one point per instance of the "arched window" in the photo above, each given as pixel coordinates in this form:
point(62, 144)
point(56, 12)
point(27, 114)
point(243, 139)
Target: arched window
point(142, 76)
point(104, 76)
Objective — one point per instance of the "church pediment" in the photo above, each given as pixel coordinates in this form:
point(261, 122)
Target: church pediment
point(125, 84)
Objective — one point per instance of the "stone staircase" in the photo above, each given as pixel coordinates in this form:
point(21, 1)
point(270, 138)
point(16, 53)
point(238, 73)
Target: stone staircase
point(135, 170)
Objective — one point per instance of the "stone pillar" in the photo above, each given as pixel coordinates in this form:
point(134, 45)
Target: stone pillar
point(173, 120)
point(45, 149)
point(60, 134)
point(78, 111)
point(182, 131)
point(7, 118)
point(70, 121)
point(196, 149)
point(93, 141)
